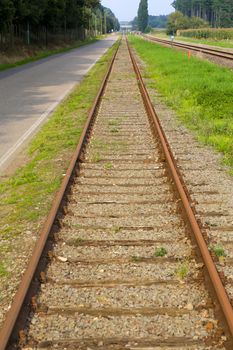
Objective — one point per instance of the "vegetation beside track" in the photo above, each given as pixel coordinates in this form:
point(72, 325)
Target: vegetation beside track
point(211, 42)
point(26, 197)
point(38, 54)
point(221, 43)
point(200, 92)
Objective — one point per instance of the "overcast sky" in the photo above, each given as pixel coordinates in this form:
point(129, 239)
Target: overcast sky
point(126, 10)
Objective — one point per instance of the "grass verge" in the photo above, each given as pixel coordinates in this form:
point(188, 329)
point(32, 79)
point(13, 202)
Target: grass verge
point(25, 198)
point(211, 42)
point(200, 92)
point(46, 53)
point(223, 43)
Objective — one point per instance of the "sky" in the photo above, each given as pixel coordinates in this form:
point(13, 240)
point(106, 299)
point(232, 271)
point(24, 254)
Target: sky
point(126, 10)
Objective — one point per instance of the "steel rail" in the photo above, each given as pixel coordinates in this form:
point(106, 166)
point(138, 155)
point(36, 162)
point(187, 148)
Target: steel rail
point(209, 263)
point(14, 312)
point(210, 51)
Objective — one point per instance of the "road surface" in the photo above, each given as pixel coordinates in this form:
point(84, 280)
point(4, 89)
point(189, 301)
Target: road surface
point(30, 93)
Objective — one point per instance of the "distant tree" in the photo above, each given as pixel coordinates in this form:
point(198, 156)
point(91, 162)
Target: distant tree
point(158, 21)
point(111, 20)
point(196, 22)
point(134, 23)
point(177, 21)
point(143, 15)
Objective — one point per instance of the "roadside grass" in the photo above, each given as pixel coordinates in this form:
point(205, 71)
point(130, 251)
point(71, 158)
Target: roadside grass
point(26, 197)
point(199, 91)
point(46, 53)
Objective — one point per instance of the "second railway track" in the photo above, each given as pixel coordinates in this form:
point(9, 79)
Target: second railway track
point(219, 53)
point(124, 271)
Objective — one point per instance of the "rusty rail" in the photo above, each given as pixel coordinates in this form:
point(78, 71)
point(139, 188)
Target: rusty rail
point(24, 287)
point(209, 51)
point(210, 265)
point(14, 312)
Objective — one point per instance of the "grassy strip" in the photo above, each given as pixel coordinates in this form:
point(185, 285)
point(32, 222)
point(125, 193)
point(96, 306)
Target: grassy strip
point(221, 43)
point(200, 92)
point(46, 53)
point(25, 198)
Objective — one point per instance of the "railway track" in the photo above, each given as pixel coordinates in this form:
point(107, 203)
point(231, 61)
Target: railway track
point(197, 48)
point(117, 265)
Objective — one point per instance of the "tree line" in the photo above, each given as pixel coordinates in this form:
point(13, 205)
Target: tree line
point(153, 22)
point(56, 15)
point(157, 21)
point(219, 13)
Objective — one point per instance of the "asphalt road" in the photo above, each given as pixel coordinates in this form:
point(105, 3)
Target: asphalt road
point(30, 93)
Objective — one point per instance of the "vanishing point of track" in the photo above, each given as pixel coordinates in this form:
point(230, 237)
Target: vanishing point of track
point(121, 262)
point(220, 53)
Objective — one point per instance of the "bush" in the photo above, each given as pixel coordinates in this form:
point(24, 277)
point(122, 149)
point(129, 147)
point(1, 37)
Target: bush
point(148, 29)
point(177, 21)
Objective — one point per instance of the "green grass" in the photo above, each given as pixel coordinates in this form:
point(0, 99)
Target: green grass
point(160, 252)
point(96, 158)
point(3, 271)
point(222, 43)
point(26, 197)
point(116, 229)
point(78, 241)
point(108, 166)
point(199, 91)
point(182, 271)
point(136, 259)
point(219, 251)
point(45, 53)
point(114, 130)
point(114, 122)
point(211, 42)
point(99, 143)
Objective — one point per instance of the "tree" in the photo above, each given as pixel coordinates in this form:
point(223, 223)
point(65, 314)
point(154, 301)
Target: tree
point(143, 15)
point(219, 13)
point(134, 23)
point(112, 22)
point(177, 21)
point(7, 12)
point(158, 21)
